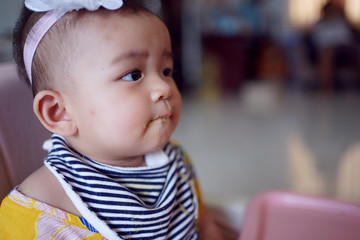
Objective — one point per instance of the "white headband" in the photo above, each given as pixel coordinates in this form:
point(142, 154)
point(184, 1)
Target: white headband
point(55, 10)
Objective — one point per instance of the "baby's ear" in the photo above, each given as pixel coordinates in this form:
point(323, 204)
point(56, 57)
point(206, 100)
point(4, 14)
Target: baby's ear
point(50, 108)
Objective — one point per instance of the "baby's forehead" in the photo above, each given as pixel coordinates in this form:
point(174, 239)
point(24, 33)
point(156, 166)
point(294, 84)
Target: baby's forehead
point(102, 25)
point(104, 36)
point(104, 17)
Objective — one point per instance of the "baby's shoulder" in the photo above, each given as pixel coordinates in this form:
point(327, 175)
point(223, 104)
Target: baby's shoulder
point(38, 182)
point(43, 186)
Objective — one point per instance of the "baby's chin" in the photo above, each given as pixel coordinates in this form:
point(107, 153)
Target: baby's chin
point(157, 145)
point(159, 132)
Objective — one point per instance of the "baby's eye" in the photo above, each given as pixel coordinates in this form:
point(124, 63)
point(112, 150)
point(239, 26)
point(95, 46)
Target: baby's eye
point(134, 75)
point(168, 72)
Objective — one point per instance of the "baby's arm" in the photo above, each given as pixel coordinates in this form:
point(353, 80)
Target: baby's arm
point(208, 228)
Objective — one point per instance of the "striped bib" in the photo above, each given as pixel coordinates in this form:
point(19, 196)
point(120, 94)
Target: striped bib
point(158, 201)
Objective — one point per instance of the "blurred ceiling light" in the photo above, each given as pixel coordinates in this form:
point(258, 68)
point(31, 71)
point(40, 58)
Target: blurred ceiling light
point(304, 13)
point(352, 10)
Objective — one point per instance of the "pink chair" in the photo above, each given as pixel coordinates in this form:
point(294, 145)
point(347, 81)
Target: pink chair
point(21, 134)
point(287, 216)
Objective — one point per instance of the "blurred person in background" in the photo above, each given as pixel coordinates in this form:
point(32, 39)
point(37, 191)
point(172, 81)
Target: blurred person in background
point(334, 40)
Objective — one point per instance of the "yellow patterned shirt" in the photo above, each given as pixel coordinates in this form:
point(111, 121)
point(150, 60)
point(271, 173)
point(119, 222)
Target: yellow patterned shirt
point(23, 218)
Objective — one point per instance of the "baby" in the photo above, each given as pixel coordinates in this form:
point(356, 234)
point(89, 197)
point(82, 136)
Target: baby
point(101, 74)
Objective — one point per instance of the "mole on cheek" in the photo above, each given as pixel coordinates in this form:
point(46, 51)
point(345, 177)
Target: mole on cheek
point(107, 38)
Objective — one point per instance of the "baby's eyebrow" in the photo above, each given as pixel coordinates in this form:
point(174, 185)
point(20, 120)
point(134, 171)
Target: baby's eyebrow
point(138, 54)
point(167, 54)
point(129, 55)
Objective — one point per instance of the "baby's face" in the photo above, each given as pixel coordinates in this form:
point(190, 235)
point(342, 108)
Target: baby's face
point(126, 103)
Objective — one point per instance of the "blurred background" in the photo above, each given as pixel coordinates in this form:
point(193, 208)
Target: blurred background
point(271, 92)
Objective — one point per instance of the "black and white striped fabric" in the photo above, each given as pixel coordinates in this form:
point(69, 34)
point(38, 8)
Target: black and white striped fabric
point(153, 202)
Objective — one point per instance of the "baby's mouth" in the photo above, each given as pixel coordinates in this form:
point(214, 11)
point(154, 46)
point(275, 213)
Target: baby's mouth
point(167, 112)
point(164, 116)
point(161, 118)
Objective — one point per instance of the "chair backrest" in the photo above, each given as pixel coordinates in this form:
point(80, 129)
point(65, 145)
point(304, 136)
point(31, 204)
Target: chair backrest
point(288, 216)
point(21, 134)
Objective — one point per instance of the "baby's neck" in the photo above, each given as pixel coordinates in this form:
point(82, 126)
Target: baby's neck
point(135, 161)
point(138, 161)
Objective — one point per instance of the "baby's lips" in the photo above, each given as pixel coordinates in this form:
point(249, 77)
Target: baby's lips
point(166, 115)
point(163, 116)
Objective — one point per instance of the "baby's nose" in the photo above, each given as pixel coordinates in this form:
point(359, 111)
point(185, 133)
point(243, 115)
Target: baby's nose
point(161, 91)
